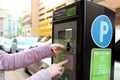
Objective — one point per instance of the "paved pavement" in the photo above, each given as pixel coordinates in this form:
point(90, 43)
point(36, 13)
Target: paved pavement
point(19, 74)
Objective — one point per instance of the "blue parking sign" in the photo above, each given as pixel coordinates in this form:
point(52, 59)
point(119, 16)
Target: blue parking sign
point(102, 31)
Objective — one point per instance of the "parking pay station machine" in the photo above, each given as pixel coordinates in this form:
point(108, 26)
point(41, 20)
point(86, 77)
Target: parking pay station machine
point(87, 31)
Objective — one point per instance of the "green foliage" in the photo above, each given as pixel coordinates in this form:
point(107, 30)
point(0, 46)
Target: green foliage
point(21, 26)
point(20, 31)
point(21, 22)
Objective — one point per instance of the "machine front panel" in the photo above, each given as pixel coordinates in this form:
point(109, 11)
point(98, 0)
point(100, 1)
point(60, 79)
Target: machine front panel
point(65, 34)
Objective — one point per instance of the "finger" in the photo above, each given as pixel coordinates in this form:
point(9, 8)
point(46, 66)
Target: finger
point(60, 73)
point(63, 62)
point(61, 69)
point(62, 48)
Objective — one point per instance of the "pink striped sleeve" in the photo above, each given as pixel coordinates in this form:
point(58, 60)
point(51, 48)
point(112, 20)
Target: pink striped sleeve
point(41, 75)
point(22, 59)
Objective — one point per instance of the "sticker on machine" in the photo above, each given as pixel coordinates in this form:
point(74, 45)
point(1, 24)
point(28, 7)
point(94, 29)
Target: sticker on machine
point(102, 31)
point(100, 65)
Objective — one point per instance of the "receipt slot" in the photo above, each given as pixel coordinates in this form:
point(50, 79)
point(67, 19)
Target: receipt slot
point(87, 31)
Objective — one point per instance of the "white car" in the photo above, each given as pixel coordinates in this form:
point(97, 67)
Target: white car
point(24, 43)
point(2, 42)
point(41, 42)
point(7, 45)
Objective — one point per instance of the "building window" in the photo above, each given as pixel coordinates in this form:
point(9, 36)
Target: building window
point(1, 18)
point(1, 33)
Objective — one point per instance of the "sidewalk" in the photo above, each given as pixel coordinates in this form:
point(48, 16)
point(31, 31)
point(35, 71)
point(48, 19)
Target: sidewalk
point(18, 74)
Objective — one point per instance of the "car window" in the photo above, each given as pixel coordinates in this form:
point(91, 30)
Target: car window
point(26, 41)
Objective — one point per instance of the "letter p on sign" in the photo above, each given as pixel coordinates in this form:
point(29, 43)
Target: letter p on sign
point(103, 30)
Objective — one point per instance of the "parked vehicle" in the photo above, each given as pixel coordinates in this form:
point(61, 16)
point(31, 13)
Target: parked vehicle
point(117, 45)
point(117, 56)
point(35, 67)
point(2, 41)
point(7, 45)
point(24, 43)
point(42, 41)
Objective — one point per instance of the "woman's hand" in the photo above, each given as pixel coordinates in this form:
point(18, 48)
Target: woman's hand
point(56, 70)
point(57, 48)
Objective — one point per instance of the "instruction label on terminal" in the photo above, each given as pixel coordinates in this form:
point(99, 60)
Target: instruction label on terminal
point(100, 64)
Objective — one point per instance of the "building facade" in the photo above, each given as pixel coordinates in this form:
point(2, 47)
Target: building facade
point(13, 25)
point(34, 17)
point(3, 22)
point(113, 5)
point(26, 29)
point(9, 24)
point(42, 11)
